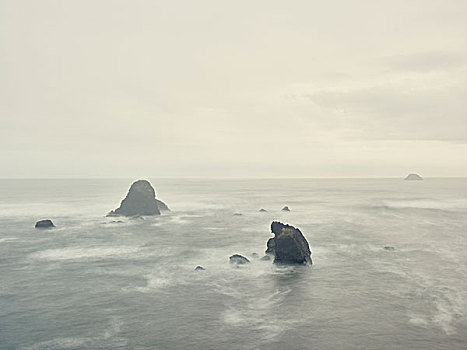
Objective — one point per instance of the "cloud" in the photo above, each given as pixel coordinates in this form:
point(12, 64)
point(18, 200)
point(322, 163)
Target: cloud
point(427, 61)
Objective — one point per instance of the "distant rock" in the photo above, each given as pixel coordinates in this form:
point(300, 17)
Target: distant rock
point(413, 177)
point(238, 259)
point(288, 245)
point(140, 200)
point(237, 214)
point(389, 248)
point(199, 268)
point(286, 208)
point(263, 210)
point(44, 224)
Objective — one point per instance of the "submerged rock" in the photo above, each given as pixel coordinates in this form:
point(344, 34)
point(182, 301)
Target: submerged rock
point(199, 268)
point(389, 248)
point(266, 258)
point(288, 245)
point(286, 208)
point(413, 177)
point(140, 200)
point(237, 214)
point(44, 224)
point(238, 259)
point(254, 255)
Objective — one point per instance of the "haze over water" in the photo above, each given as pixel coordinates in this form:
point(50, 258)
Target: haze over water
point(92, 283)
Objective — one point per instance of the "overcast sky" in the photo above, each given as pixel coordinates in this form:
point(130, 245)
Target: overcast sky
point(111, 88)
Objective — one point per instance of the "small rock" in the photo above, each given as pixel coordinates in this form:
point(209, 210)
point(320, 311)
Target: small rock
point(413, 177)
point(238, 259)
point(266, 258)
point(255, 255)
point(199, 268)
point(238, 214)
point(389, 248)
point(286, 208)
point(263, 210)
point(44, 224)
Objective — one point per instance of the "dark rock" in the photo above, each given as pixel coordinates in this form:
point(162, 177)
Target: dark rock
point(199, 268)
point(389, 248)
point(44, 224)
point(238, 214)
point(286, 208)
point(140, 200)
point(263, 210)
point(266, 258)
point(238, 259)
point(413, 177)
point(271, 246)
point(162, 206)
point(290, 246)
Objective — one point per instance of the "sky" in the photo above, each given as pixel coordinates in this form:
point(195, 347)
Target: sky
point(257, 88)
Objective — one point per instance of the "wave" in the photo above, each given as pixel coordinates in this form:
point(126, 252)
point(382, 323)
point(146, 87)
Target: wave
point(426, 204)
point(78, 253)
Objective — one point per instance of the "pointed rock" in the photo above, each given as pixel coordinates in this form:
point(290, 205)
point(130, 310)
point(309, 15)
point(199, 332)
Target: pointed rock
point(140, 200)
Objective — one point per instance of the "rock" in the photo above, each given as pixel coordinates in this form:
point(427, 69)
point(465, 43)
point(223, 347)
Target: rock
point(389, 248)
point(140, 200)
point(271, 246)
point(263, 210)
point(290, 246)
point(44, 224)
point(238, 259)
point(162, 206)
point(237, 214)
point(266, 258)
point(254, 255)
point(286, 208)
point(199, 268)
point(413, 177)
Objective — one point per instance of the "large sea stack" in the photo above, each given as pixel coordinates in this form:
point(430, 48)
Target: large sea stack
point(413, 177)
point(288, 245)
point(140, 200)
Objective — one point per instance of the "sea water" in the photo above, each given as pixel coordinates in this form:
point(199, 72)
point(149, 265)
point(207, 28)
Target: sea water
point(120, 283)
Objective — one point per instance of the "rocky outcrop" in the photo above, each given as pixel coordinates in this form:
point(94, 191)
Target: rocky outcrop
point(413, 177)
point(271, 246)
point(286, 208)
point(140, 200)
point(238, 259)
point(288, 245)
point(44, 224)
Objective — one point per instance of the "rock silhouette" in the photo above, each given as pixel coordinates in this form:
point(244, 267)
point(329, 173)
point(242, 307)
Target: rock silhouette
point(289, 246)
point(238, 259)
point(140, 200)
point(286, 208)
point(44, 224)
point(413, 177)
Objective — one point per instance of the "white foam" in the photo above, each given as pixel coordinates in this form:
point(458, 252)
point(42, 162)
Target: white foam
point(78, 253)
point(7, 239)
point(59, 343)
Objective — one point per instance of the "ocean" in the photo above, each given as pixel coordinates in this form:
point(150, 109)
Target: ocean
point(96, 283)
